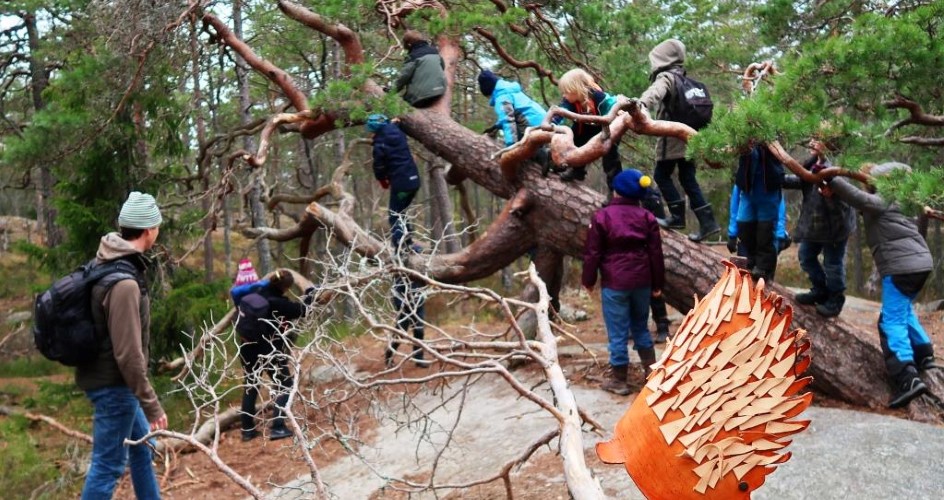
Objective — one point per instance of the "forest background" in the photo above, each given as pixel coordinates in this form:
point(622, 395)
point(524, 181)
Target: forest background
point(100, 98)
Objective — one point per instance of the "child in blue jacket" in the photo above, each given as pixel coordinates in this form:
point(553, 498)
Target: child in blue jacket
point(396, 170)
point(759, 177)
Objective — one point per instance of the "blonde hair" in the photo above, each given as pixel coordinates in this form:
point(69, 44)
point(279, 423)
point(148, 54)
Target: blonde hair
point(578, 81)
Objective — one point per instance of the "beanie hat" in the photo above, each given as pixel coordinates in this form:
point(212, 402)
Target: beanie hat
point(887, 168)
point(246, 273)
point(487, 81)
point(631, 183)
point(375, 122)
point(139, 212)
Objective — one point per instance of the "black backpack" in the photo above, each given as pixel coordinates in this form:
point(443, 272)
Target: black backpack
point(253, 311)
point(691, 104)
point(63, 326)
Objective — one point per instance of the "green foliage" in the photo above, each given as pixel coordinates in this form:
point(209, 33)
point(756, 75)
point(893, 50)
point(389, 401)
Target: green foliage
point(31, 366)
point(182, 313)
point(23, 465)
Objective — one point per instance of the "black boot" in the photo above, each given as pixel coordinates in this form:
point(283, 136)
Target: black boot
point(765, 256)
point(662, 332)
point(707, 226)
point(647, 356)
point(278, 429)
point(817, 295)
point(924, 358)
point(747, 233)
point(907, 386)
point(676, 218)
point(832, 306)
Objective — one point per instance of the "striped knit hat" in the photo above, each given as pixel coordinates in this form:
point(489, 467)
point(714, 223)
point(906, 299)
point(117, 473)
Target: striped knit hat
point(139, 212)
point(246, 273)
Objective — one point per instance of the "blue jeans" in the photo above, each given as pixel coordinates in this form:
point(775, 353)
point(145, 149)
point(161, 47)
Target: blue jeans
point(626, 312)
point(898, 323)
point(686, 175)
point(118, 416)
point(399, 227)
point(830, 276)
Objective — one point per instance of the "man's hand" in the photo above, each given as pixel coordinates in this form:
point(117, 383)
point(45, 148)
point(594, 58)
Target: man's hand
point(384, 183)
point(159, 424)
point(732, 244)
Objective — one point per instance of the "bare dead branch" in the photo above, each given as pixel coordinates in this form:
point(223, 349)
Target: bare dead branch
point(511, 60)
point(55, 424)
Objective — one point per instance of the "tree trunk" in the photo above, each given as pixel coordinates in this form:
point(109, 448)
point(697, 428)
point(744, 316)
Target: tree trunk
point(847, 362)
point(39, 80)
point(256, 207)
point(444, 230)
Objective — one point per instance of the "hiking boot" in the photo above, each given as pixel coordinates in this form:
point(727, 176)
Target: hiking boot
point(419, 360)
point(388, 357)
point(907, 387)
point(279, 432)
point(617, 381)
point(676, 218)
point(832, 307)
point(707, 226)
point(573, 174)
point(249, 435)
point(813, 297)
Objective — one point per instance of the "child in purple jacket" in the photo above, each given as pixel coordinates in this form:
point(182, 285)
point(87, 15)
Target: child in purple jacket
point(624, 245)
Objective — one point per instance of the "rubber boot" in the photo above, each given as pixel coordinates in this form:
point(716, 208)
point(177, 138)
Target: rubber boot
point(278, 429)
point(747, 234)
point(707, 226)
point(647, 356)
point(676, 218)
point(765, 263)
point(817, 295)
point(661, 318)
point(617, 381)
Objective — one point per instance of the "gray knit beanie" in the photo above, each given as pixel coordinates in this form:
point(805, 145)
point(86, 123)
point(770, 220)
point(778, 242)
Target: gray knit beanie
point(139, 212)
point(887, 168)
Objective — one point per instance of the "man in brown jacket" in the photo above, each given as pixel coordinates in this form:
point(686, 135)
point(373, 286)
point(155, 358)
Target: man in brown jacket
point(125, 404)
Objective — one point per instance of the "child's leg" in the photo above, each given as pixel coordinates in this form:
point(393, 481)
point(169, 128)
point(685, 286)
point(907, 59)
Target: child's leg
point(639, 318)
point(616, 316)
point(893, 327)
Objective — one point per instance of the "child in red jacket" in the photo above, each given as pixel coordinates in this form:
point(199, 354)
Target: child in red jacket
point(625, 246)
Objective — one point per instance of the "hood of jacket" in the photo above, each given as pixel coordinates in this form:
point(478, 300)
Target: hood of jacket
point(420, 49)
point(668, 54)
point(113, 246)
point(503, 87)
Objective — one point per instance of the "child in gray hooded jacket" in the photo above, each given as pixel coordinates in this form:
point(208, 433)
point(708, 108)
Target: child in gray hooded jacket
point(904, 262)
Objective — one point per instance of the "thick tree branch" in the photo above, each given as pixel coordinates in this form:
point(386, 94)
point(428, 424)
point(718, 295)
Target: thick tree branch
point(511, 60)
point(917, 116)
point(827, 173)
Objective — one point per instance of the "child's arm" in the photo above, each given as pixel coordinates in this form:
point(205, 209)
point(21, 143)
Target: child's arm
point(855, 197)
point(657, 92)
point(380, 161)
point(592, 254)
point(506, 120)
point(656, 258)
point(406, 73)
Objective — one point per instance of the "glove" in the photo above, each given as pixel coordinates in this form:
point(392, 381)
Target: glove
point(732, 244)
point(384, 183)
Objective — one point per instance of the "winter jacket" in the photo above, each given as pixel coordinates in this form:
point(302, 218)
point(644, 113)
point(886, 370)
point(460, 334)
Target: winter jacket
point(601, 104)
point(423, 74)
point(822, 219)
point(124, 312)
point(625, 246)
point(759, 169)
point(393, 160)
point(515, 110)
point(897, 246)
point(666, 58)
